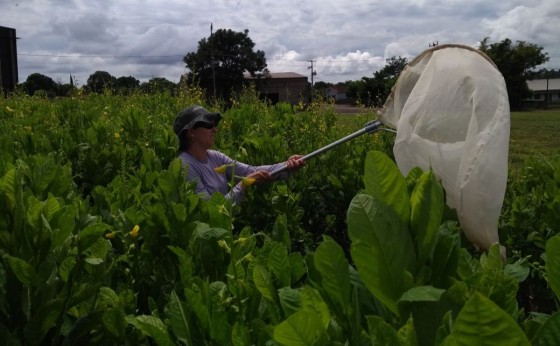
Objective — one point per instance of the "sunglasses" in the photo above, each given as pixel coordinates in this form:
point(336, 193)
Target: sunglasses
point(208, 126)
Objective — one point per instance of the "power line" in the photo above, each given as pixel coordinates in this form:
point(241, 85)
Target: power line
point(99, 56)
point(320, 62)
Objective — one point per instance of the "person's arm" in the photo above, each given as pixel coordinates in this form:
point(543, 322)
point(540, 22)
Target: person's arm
point(196, 172)
point(293, 163)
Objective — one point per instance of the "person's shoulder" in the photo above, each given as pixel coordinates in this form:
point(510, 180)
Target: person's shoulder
point(215, 153)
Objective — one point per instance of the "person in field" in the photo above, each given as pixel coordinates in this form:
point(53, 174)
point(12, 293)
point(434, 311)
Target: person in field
point(212, 170)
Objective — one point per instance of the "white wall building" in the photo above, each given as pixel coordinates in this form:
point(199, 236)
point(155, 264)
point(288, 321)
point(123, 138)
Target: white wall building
point(543, 88)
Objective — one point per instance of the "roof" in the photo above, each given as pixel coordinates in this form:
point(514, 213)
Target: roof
point(281, 75)
point(540, 84)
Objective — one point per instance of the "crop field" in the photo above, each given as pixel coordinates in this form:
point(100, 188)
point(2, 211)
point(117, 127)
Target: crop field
point(103, 240)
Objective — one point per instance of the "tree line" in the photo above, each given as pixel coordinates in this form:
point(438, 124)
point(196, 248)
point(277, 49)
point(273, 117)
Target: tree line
point(223, 60)
point(98, 82)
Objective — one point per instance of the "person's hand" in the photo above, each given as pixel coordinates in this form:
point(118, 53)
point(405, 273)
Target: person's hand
point(256, 178)
point(295, 162)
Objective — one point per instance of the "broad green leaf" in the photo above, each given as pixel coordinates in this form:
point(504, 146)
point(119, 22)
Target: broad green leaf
point(82, 293)
point(380, 332)
point(240, 335)
point(552, 264)
point(426, 203)
point(383, 180)
point(424, 305)
point(8, 187)
point(446, 255)
point(107, 298)
point(153, 327)
point(468, 266)
point(519, 270)
point(63, 224)
point(331, 262)
point(23, 270)
point(290, 300)
point(481, 322)
point(492, 259)
point(114, 320)
point(263, 282)
point(311, 300)
point(381, 248)
point(407, 334)
point(220, 329)
point(51, 207)
point(89, 235)
point(196, 304)
point(280, 231)
point(549, 333)
point(42, 321)
point(302, 328)
point(279, 264)
point(178, 318)
point(297, 266)
point(445, 329)
point(66, 267)
point(94, 260)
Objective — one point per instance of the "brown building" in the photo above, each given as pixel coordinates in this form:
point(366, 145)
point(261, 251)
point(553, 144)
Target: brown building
point(288, 87)
point(8, 60)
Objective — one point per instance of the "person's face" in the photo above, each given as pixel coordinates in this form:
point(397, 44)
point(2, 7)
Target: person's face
point(203, 134)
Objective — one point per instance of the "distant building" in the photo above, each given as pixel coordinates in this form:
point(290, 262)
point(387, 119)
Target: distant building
point(8, 60)
point(288, 87)
point(337, 93)
point(543, 89)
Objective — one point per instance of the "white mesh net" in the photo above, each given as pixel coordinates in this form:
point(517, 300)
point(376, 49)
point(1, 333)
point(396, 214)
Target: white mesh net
point(451, 111)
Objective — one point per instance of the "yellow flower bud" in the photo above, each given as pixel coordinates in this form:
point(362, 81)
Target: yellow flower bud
point(248, 181)
point(110, 235)
point(134, 232)
point(221, 169)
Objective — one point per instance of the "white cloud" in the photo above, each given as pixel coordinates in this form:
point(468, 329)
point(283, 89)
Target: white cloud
point(346, 41)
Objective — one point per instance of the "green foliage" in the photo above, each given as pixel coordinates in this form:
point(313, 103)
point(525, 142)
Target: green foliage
point(515, 62)
point(221, 60)
point(103, 240)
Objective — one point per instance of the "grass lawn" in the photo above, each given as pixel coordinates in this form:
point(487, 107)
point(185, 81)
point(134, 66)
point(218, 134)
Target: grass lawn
point(535, 134)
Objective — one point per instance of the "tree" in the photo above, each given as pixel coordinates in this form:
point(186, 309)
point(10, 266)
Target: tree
point(37, 81)
point(159, 85)
point(516, 62)
point(126, 85)
point(374, 91)
point(99, 81)
point(224, 58)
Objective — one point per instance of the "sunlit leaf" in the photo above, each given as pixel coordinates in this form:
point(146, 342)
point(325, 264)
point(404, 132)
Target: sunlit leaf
point(472, 326)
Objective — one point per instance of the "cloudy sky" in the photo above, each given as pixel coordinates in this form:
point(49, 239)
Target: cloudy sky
point(346, 40)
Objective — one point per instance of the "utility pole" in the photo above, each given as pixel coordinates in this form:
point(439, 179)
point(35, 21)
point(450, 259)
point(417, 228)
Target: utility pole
point(212, 60)
point(313, 73)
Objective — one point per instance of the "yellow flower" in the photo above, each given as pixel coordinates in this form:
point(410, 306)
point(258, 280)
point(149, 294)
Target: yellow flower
point(110, 235)
point(134, 232)
point(222, 243)
point(221, 169)
point(248, 181)
point(9, 109)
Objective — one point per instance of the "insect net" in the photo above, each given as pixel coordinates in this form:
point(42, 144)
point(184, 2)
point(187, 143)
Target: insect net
point(451, 111)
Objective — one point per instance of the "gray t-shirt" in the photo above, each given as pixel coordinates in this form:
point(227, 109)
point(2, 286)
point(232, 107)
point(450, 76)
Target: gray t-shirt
point(209, 181)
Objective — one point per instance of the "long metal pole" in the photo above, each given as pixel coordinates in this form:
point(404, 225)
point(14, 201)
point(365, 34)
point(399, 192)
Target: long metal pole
point(368, 128)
